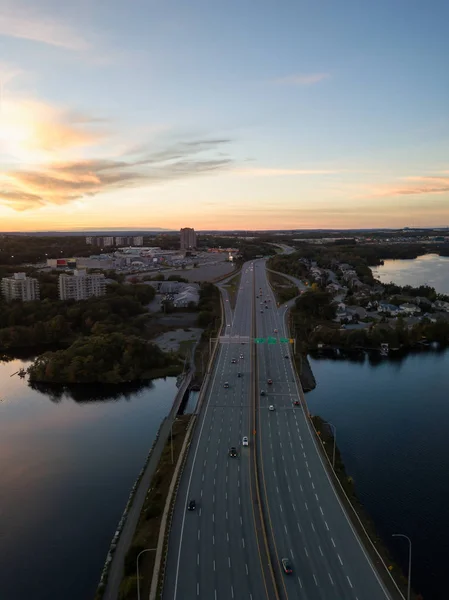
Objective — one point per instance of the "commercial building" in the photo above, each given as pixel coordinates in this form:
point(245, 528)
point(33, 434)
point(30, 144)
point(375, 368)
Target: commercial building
point(20, 287)
point(120, 240)
point(188, 238)
point(81, 286)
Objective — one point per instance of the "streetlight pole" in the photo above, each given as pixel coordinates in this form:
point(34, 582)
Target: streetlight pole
point(409, 560)
point(334, 433)
point(137, 568)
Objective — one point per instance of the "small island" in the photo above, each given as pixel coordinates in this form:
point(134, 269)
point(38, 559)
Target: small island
point(108, 358)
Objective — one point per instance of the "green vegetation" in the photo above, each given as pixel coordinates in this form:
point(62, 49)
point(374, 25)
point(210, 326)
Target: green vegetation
point(18, 249)
point(107, 358)
point(26, 324)
point(210, 318)
point(284, 290)
point(147, 530)
point(233, 287)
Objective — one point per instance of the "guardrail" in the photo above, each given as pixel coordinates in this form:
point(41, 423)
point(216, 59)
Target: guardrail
point(159, 569)
point(316, 437)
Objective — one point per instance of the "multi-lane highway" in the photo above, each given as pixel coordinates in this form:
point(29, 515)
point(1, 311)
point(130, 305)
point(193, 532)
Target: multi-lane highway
point(214, 551)
point(218, 551)
point(306, 520)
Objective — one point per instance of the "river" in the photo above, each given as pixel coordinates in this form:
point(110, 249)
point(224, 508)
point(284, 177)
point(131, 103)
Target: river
point(67, 465)
point(429, 269)
point(392, 420)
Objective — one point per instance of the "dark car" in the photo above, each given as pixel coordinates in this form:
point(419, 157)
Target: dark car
point(226, 385)
point(262, 392)
point(233, 361)
point(286, 565)
point(239, 374)
point(296, 402)
point(270, 381)
point(286, 356)
point(192, 505)
point(233, 451)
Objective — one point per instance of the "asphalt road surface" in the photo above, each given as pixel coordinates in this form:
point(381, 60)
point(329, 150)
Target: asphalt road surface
point(306, 520)
point(213, 551)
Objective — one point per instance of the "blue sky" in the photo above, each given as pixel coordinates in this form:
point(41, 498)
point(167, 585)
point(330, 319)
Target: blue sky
point(224, 115)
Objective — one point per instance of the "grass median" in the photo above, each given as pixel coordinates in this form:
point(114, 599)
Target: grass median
point(148, 526)
point(283, 288)
point(232, 287)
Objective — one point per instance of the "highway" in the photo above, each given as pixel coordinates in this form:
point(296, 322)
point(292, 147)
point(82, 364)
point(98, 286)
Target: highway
point(307, 523)
point(214, 551)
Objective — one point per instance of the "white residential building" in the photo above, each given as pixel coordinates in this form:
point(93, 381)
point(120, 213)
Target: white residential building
point(81, 286)
point(20, 287)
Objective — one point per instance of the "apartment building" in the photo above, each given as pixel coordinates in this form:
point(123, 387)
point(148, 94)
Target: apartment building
point(81, 286)
point(188, 238)
point(20, 287)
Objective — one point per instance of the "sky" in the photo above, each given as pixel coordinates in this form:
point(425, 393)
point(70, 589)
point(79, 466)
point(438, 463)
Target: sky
point(241, 114)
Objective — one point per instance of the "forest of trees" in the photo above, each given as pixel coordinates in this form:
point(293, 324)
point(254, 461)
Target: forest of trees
point(105, 358)
point(122, 309)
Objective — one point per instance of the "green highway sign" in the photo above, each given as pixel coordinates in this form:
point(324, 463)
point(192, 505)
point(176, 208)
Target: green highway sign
point(259, 340)
point(284, 340)
point(272, 340)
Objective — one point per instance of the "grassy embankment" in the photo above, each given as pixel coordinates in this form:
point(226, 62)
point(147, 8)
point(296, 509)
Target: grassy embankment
point(210, 319)
point(147, 530)
point(325, 434)
point(232, 288)
point(284, 290)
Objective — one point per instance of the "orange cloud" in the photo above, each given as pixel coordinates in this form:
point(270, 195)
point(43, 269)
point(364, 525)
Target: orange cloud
point(423, 185)
point(63, 182)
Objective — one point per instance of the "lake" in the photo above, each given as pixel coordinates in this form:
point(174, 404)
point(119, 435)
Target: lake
point(67, 465)
point(429, 269)
point(392, 420)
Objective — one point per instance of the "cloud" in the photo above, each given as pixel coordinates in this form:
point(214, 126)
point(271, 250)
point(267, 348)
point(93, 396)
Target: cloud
point(427, 185)
point(270, 172)
point(305, 80)
point(64, 182)
point(33, 131)
point(43, 30)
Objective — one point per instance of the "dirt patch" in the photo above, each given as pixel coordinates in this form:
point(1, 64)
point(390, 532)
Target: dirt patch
point(172, 341)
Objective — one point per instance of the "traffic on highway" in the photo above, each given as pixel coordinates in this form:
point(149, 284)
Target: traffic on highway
point(256, 514)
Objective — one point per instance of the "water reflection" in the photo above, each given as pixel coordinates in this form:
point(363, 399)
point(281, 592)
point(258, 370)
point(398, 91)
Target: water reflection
point(84, 393)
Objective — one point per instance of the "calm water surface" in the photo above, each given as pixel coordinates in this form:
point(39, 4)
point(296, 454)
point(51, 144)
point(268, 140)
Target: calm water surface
point(66, 468)
point(392, 423)
point(429, 269)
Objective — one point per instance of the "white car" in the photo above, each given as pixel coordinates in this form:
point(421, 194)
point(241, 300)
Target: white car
point(275, 331)
point(245, 441)
point(271, 407)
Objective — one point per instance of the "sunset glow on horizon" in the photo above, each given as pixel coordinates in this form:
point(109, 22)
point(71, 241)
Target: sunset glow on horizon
point(223, 117)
